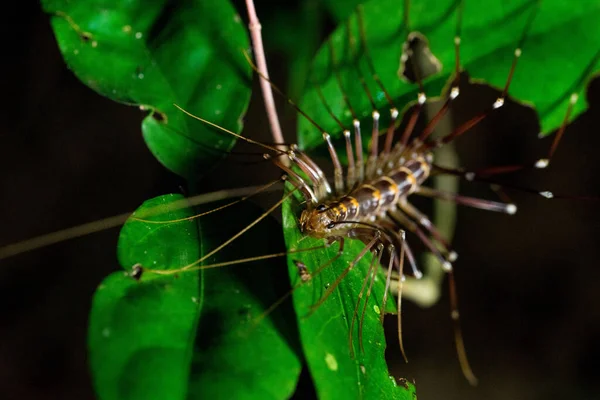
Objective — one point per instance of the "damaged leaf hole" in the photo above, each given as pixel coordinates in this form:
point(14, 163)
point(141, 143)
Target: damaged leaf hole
point(417, 62)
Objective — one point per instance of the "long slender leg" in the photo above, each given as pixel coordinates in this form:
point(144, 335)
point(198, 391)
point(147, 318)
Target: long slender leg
point(351, 265)
point(117, 220)
point(372, 160)
point(228, 241)
point(544, 193)
point(500, 100)
point(458, 338)
point(392, 251)
point(371, 277)
point(312, 275)
point(426, 223)
point(339, 175)
point(400, 285)
point(372, 267)
point(488, 205)
point(351, 178)
point(389, 137)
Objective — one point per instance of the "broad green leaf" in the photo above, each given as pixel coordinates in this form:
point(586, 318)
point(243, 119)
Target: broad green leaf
point(341, 10)
point(196, 334)
point(560, 51)
point(157, 53)
point(338, 374)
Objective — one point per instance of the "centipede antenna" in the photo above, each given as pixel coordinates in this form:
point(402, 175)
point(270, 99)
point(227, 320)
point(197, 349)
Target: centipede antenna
point(234, 237)
point(171, 221)
point(230, 240)
point(458, 338)
point(358, 301)
point(135, 268)
point(281, 152)
point(117, 220)
point(403, 248)
point(371, 277)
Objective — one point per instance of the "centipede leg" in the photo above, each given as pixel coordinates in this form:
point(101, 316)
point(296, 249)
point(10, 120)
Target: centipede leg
point(370, 272)
point(400, 285)
point(371, 278)
point(350, 266)
point(458, 338)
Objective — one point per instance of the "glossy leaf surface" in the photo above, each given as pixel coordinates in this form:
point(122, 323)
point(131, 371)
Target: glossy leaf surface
point(559, 44)
point(196, 334)
point(157, 53)
point(337, 371)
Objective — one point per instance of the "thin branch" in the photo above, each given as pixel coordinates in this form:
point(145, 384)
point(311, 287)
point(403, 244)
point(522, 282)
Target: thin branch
point(261, 62)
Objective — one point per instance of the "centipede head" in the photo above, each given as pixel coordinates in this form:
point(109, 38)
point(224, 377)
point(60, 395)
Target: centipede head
point(318, 222)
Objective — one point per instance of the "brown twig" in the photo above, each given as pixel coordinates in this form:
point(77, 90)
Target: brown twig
point(261, 62)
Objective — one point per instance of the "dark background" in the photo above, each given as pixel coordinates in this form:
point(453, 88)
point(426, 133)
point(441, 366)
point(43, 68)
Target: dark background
point(527, 283)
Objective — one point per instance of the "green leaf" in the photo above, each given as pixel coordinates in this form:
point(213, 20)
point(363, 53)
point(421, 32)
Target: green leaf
point(325, 333)
point(196, 334)
point(341, 10)
point(157, 53)
point(560, 51)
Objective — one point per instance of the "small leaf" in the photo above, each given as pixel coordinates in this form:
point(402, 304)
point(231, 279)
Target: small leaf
point(194, 334)
point(157, 53)
point(325, 333)
point(559, 55)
